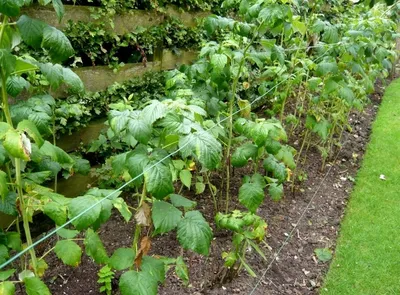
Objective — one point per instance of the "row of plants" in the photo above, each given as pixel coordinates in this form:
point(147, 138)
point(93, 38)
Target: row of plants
point(312, 70)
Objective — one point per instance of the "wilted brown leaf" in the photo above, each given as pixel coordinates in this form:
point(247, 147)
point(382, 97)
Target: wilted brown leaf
point(145, 245)
point(142, 215)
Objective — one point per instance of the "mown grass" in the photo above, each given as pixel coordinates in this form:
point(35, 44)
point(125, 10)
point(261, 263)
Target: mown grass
point(367, 258)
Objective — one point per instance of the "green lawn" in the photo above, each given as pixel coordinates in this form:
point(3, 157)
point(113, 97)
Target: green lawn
point(367, 259)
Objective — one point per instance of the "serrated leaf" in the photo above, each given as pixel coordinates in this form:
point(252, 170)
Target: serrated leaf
point(14, 145)
point(4, 275)
point(34, 286)
point(95, 248)
point(326, 67)
point(10, 7)
point(8, 205)
point(218, 61)
point(204, 146)
point(7, 288)
point(57, 44)
point(299, 26)
point(243, 153)
point(179, 201)
point(122, 258)
point(165, 217)
point(140, 129)
point(158, 180)
point(7, 61)
point(69, 252)
point(275, 191)
point(56, 212)
point(3, 254)
point(31, 30)
point(3, 186)
point(72, 80)
point(323, 254)
point(181, 270)
point(123, 208)
point(67, 233)
point(15, 85)
point(194, 233)
point(80, 204)
point(30, 128)
point(277, 169)
point(144, 282)
point(14, 241)
point(251, 196)
point(286, 155)
point(186, 177)
point(53, 74)
point(156, 110)
point(22, 66)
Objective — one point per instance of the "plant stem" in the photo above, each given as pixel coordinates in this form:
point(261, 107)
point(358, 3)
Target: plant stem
point(213, 193)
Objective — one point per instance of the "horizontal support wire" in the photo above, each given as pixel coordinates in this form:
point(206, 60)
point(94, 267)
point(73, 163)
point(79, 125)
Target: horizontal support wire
point(54, 231)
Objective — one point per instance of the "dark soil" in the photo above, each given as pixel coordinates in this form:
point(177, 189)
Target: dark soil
point(295, 270)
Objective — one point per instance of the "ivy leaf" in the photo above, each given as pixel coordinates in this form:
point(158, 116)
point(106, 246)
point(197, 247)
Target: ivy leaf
point(78, 205)
point(7, 288)
point(7, 61)
point(144, 282)
point(10, 7)
point(179, 201)
point(165, 217)
point(194, 233)
point(14, 145)
point(59, 9)
point(275, 191)
point(243, 153)
point(95, 248)
point(34, 286)
point(181, 270)
point(30, 128)
point(122, 258)
point(158, 180)
point(31, 30)
point(204, 145)
point(15, 85)
point(69, 252)
point(72, 80)
point(57, 44)
point(3, 185)
point(251, 195)
point(218, 61)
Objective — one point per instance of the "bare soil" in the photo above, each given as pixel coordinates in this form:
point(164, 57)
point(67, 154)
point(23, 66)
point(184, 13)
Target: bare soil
point(295, 270)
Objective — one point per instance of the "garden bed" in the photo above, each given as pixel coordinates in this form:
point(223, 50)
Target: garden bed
point(296, 270)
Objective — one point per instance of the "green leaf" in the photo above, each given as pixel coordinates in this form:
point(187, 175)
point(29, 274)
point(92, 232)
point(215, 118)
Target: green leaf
point(275, 191)
point(156, 110)
point(56, 154)
point(59, 9)
point(186, 177)
point(14, 145)
point(31, 30)
point(140, 129)
point(72, 80)
point(325, 68)
point(30, 128)
point(122, 258)
point(10, 7)
point(144, 282)
point(3, 254)
point(251, 196)
point(34, 286)
point(67, 233)
point(123, 208)
point(200, 187)
point(95, 248)
point(53, 73)
point(69, 252)
point(218, 61)
point(299, 26)
point(8, 205)
point(179, 201)
point(204, 145)
point(194, 233)
point(7, 61)
point(277, 169)
point(165, 217)
point(181, 270)
point(56, 212)
point(15, 85)
point(7, 288)
point(158, 180)
point(3, 185)
point(4, 275)
point(57, 44)
point(80, 204)
point(323, 254)
point(22, 66)
point(320, 127)
point(243, 153)
point(285, 155)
